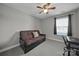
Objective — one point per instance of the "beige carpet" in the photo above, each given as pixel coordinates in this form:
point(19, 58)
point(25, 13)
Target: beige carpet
point(47, 48)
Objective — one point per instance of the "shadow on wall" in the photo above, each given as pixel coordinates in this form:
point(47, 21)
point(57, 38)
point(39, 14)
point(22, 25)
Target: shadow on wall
point(14, 40)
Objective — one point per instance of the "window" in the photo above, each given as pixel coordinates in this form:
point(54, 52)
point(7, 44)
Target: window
point(62, 25)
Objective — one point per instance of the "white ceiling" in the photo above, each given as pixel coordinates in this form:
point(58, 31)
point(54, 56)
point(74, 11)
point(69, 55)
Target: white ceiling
point(30, 8)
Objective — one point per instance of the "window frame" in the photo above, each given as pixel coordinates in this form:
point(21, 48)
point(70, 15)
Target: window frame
point(65, 27)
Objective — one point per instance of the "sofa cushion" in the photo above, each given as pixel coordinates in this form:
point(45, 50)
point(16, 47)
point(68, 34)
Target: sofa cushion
point(39, 38)
point(27, 35)
point(33, 40)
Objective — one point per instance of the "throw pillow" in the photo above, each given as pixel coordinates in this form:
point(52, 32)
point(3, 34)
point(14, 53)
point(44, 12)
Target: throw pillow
point(35, 34)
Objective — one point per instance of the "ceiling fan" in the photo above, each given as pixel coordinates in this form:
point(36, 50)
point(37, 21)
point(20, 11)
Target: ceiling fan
point(46, 7)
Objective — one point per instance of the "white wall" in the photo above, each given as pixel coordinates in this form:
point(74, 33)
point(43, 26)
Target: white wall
point(77, 23)
point(11, 22)
point(48, 26)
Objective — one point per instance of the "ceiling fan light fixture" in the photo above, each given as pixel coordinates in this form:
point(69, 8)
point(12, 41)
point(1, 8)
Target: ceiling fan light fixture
point(45, 10)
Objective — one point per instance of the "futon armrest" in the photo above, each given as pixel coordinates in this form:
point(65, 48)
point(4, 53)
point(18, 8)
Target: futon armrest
point(43, 35)
point(22, 42)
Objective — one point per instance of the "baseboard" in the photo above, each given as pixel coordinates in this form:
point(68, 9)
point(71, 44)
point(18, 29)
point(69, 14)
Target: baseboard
point(5, 49)
point(55, 39)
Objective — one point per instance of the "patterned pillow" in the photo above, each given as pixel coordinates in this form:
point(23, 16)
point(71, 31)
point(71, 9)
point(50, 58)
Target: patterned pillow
point(35, 34)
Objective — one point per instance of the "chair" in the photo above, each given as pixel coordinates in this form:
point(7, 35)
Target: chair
point(67, 48)
point(70, 46)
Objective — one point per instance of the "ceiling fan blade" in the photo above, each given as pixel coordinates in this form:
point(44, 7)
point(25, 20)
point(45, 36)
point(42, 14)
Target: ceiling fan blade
point(52, 8)
point(39, 7)
point(48, 4)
